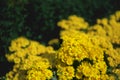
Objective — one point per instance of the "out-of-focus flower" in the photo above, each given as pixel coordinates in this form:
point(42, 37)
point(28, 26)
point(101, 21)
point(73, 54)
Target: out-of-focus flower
point(73, 22)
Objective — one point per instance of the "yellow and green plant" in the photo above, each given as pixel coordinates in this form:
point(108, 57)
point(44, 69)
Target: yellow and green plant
point(86, 53)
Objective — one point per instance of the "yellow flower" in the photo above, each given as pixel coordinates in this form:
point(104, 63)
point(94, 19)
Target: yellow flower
point(48, 74)
point(91, 71)
point(101, 66)
point(73, 22)
point(79, 75)
point(117, 14)
point(39, 70)
point(19, 43)
point(53, 41)
point(39, 74)
point(86, 53)
point(65, 73)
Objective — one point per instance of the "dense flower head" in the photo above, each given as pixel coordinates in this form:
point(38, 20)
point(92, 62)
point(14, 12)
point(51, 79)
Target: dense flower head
point(86, 53)
point(78, 46)
point(19, 43)
point(39, 70)
point(96, 45)
point(91, 71)
point(109, 28)
point(73, 22)
point(65, 72)
point(31, 60)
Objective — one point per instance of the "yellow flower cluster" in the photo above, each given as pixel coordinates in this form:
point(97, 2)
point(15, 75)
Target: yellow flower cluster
point(39, 70)
point(18, 44)
point(92, 72)
point(79, 46)
point(110, 30)
point(73, 22)
point(32, 60)
point(97, 50)
point(65, 72)
point(86, 53)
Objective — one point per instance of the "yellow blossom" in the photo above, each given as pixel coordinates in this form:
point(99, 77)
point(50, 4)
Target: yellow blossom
point(65, 73)
point(73, 22)
point(19, 43)
point(86, 53)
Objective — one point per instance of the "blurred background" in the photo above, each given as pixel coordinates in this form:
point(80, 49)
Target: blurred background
point(37, 19)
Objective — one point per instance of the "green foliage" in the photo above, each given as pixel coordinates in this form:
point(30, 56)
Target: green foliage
point(36, 19)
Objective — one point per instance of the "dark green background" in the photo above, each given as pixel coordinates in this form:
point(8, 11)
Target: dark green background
point(37, 19)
